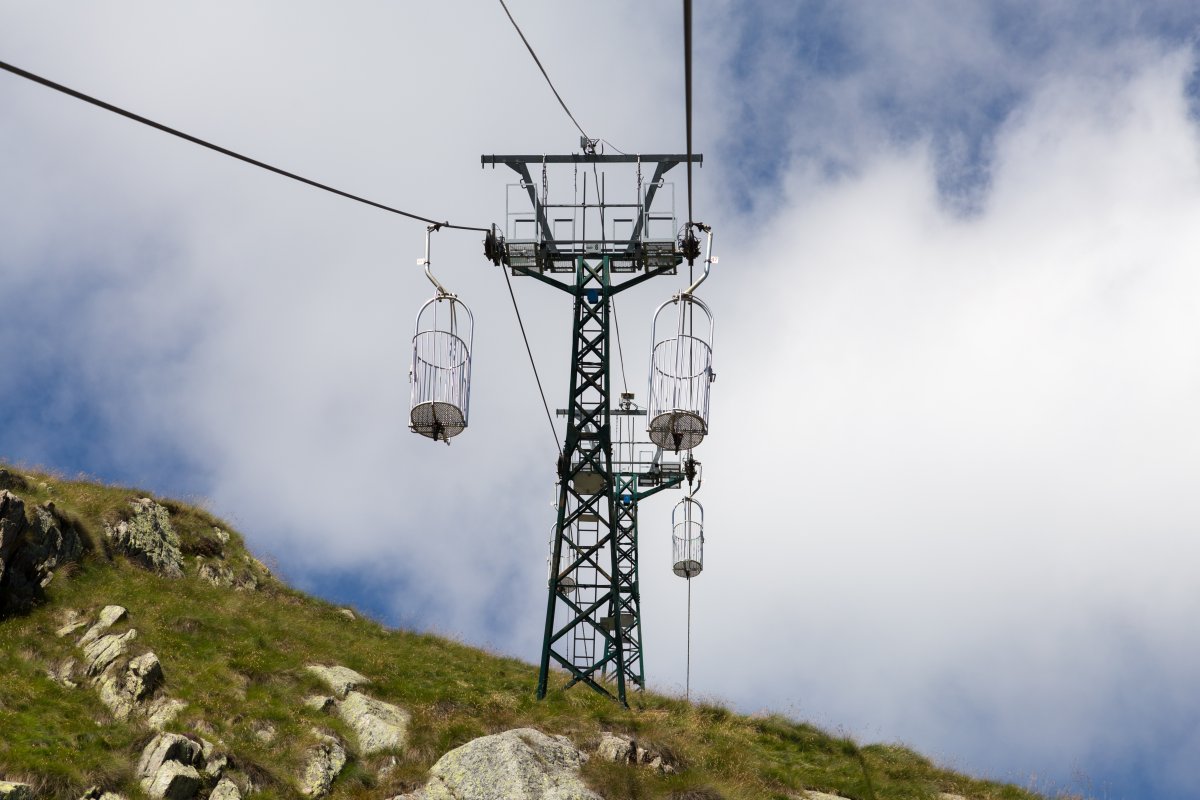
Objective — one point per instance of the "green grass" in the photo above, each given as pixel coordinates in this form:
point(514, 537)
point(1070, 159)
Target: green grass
point(237, 658)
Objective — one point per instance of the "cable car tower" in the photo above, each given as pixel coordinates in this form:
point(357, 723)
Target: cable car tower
point(592, 250)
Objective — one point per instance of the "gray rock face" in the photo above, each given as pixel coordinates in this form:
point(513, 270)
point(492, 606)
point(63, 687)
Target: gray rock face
point(319, 702)
point(222, 575)
point(31, 551)
point(617, 748)
point(323, 764)
point(339, 679)
point(124, 691)
point(378, 725)
point(173, 781)
point(15, 791)
point(107, 649)
point(226, 790)
point(169, 747)
point(109, 616)
point(521, 764)
point(149, 539)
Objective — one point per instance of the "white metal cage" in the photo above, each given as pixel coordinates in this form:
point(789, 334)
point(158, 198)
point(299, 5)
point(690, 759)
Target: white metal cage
point(441, 368)
point(687, 524)
point(680, 374)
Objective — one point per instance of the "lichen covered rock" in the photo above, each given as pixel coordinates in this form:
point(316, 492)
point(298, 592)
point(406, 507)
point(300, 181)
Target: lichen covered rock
point(339, 679)
point(324, 762)
point(378, 725)
point(15, 791)
point(148, 538)
point(521, 764)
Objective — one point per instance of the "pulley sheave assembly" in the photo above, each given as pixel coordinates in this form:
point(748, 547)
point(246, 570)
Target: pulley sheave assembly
point(441, 362)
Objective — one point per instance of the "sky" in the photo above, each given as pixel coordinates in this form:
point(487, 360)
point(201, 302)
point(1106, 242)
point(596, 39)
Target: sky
point(950, 484)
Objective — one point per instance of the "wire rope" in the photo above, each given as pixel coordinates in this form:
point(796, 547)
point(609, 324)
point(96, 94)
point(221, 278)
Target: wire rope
point(545, 75)
point(532, 363)
point(58, 87)
point(687, 691)
point(687, 83)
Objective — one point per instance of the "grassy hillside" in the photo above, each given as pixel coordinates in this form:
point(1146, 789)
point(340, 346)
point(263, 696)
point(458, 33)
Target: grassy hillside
point(237, 658)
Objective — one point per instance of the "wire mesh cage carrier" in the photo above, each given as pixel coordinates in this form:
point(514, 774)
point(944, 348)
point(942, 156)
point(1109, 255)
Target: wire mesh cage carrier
point(680, 373)
point(687, 524)
point(441, 364)
point(441, 368)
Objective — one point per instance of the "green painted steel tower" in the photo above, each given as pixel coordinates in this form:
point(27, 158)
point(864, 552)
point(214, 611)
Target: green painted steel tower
point(593, 250)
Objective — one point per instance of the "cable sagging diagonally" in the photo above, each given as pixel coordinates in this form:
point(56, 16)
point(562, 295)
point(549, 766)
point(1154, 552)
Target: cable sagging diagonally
point(545, 74)
point(58, 87)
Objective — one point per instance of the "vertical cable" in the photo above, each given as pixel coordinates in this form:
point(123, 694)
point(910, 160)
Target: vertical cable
point(687, 692)
point(687, 84)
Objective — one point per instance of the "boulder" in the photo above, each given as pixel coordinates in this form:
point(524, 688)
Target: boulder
point(31, 551)
point(109, 616)
point(122, 692)
point(319, 702)
point(101, 653)
point(148, 538)
point(339, 679)
point(173, 781)
point(616, 748)
point(15, 791)
point(520, 764)
point(323, 763)
point(226, 790)
point(378, 725)
point(169, 747)
point(215, 573)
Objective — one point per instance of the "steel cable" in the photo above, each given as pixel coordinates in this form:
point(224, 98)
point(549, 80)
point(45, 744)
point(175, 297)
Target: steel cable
point(532, 363)
point(545, 75)
point(58, 87)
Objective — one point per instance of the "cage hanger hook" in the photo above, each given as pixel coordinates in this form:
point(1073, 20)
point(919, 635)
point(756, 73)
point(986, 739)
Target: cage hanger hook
point(709, 260)
point(442, 291)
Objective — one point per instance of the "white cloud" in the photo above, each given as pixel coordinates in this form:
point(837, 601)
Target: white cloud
point(952, 476)
point(951, 480)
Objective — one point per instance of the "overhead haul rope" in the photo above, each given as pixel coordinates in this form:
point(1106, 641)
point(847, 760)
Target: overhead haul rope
point(687, 91)
point(58, 87)
point(545, 75)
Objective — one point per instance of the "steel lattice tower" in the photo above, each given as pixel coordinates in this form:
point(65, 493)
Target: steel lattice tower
point(592, 592)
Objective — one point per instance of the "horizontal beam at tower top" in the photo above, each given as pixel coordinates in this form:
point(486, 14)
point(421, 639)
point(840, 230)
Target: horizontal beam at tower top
point(584, 158)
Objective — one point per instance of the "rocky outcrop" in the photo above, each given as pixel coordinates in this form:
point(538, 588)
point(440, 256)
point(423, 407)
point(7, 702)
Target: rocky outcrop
point(148, 538)
point(626, 750)
point(323, 763)
point(129, 687)
point(109, 616)
point(226, 790)
point(377, 725)
point(101, 653)
point(15, 791)
point(521, 764)
point(340, 680)
point(123, 691)
point(170, 767)
point(31, 550)
point(173, 781)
